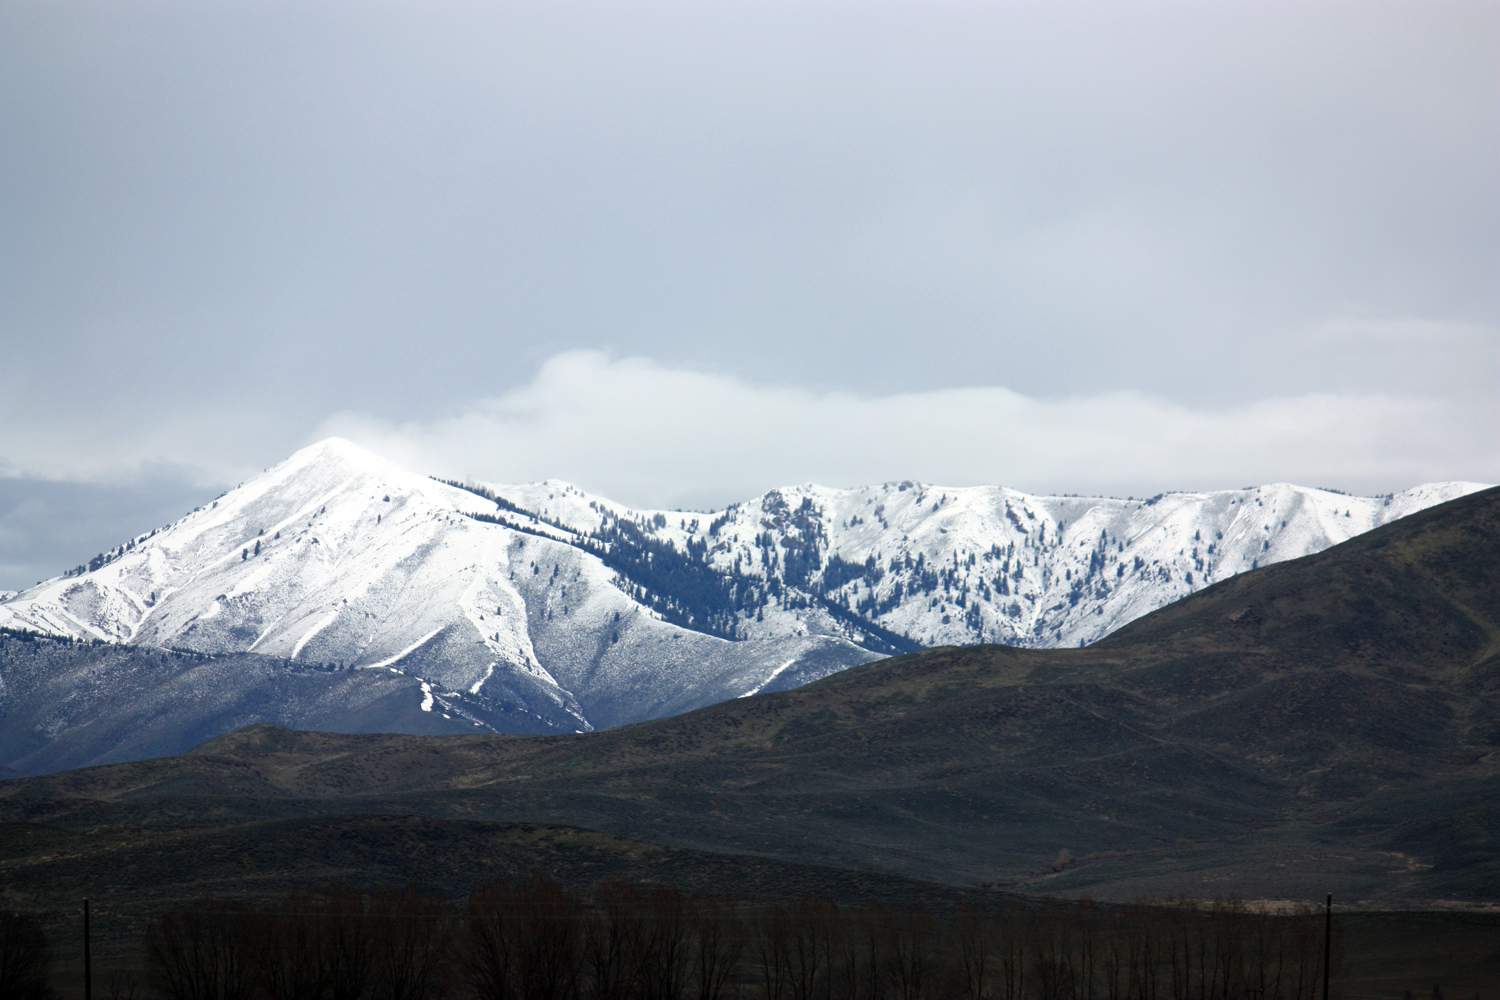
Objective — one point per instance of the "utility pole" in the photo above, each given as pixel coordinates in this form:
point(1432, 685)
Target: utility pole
point(88, 973)
point(1327, 942)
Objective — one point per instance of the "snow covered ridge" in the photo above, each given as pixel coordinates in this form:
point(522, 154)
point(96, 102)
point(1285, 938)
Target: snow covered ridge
point(931, 565)
point(567, 611)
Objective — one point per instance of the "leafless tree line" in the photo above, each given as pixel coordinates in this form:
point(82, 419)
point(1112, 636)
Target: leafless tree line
point(25, 958)
point(533, 940)
point(332, 945)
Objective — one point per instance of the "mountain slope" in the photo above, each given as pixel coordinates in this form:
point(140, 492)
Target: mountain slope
point(66, 704)
point(1334, 718)
point(546, 609)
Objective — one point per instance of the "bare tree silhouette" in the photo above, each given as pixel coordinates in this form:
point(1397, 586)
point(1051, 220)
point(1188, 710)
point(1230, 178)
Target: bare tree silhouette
point(25, 958)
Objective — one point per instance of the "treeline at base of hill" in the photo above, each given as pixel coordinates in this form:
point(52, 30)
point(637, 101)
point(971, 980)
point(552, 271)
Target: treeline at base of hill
point(533, 940)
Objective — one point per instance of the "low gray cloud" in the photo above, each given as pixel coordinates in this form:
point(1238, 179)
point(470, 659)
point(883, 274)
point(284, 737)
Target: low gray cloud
point(650, 435)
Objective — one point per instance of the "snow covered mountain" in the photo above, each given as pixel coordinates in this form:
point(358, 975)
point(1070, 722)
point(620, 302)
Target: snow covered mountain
point(555, 610)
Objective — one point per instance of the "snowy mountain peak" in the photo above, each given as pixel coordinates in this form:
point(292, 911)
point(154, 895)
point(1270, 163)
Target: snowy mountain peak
point(564, 610)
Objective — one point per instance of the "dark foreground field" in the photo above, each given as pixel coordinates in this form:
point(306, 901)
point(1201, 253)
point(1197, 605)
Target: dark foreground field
point(137, 875)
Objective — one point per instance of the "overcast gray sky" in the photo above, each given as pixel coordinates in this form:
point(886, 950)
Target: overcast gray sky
point(682, 253)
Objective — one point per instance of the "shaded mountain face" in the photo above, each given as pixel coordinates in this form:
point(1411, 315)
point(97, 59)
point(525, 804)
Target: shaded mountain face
point(1332, 721)
point(68, 704)
point(543, 609)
